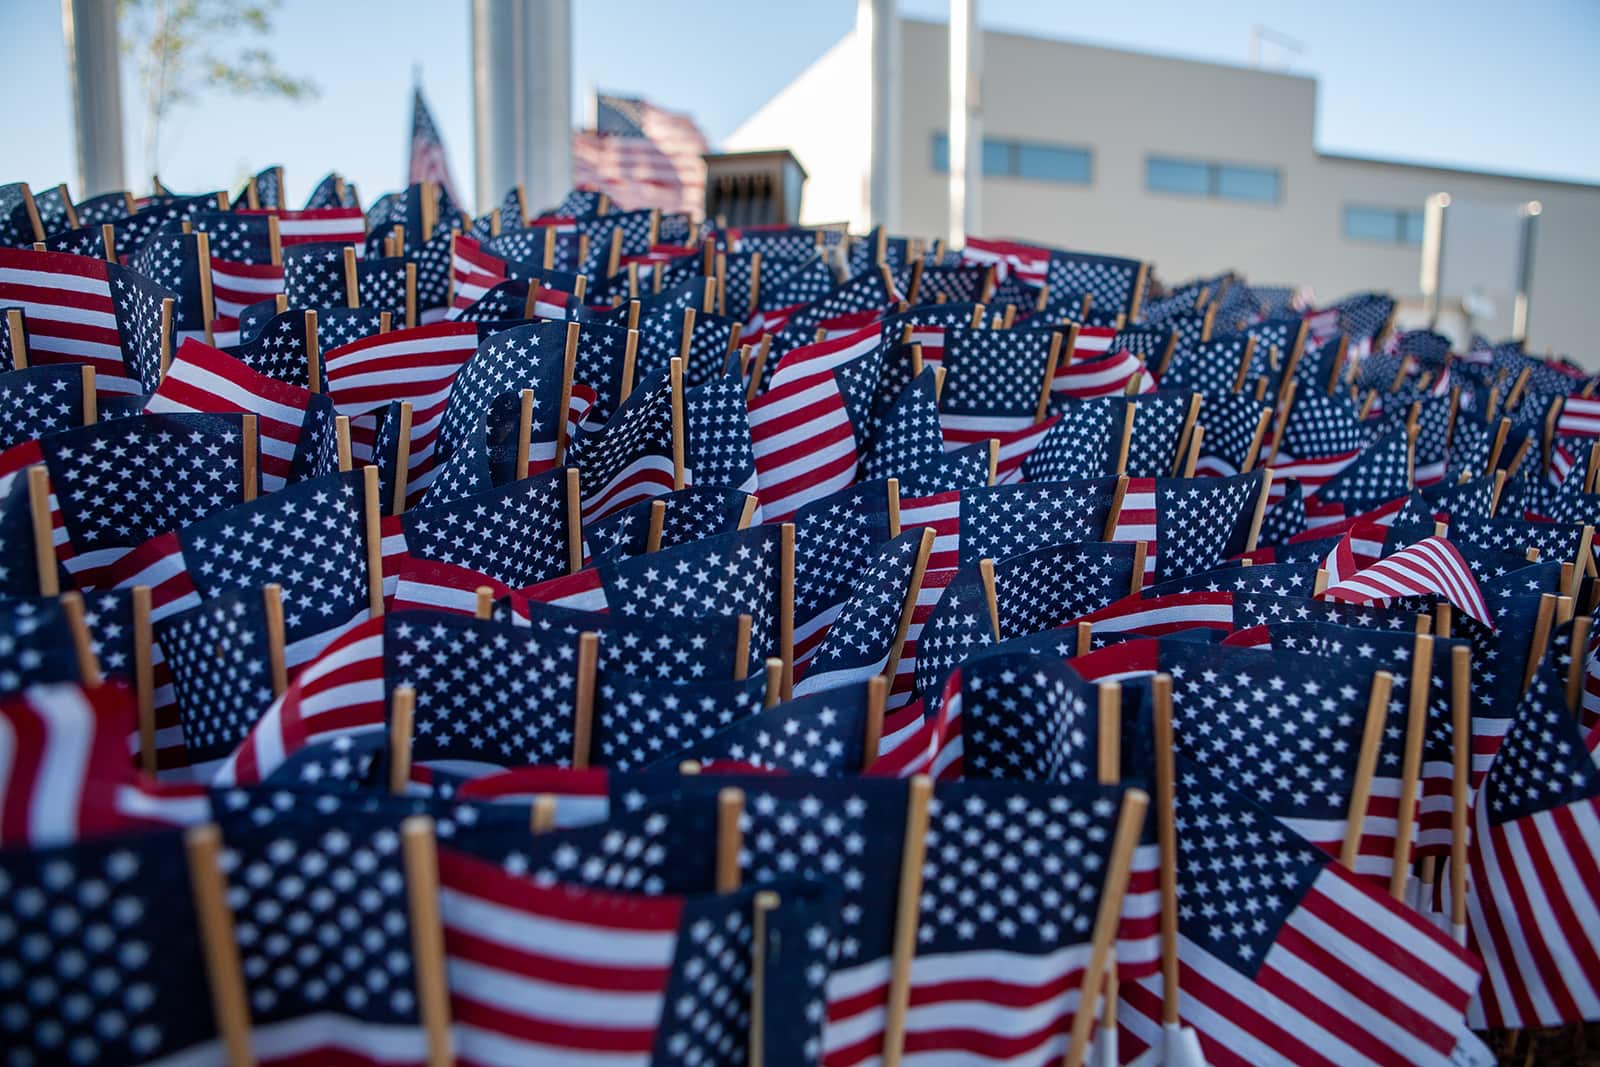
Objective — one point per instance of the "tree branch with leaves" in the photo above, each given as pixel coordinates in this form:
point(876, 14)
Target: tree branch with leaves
point(187, 47)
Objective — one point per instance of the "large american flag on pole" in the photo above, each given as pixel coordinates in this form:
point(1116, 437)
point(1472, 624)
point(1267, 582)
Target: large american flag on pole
point(641, 156)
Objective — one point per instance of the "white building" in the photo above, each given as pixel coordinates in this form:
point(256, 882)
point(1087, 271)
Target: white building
point(1195, 167)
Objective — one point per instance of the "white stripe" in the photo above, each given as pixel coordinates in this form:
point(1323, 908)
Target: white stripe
point(567, 1005)
point(68, 732)
point(567, 939)
point(478, 1046)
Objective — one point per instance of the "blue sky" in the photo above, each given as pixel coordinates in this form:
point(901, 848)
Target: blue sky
point(1486, 85)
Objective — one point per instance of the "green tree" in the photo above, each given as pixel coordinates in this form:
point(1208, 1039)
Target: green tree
point(188, 47)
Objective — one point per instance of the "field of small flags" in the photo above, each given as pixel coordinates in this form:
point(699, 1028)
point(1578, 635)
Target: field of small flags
point(576, 635)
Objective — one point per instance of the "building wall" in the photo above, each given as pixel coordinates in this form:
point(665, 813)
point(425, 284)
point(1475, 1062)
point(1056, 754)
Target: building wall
point(1125, 106)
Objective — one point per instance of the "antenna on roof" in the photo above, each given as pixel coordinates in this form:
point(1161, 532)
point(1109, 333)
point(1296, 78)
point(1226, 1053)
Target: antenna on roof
point(1260, 35)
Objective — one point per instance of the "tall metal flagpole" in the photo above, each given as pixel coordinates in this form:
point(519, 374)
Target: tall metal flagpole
point(90, 28)
point(878, 29)
point(966, 119)
point(522, 99)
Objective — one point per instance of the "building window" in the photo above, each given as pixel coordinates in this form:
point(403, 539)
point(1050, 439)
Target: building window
point(1221, 181)
point(1063, 164)
point(1383, 225)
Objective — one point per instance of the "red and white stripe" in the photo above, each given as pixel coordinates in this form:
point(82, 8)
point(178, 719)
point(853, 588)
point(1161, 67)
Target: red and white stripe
point(934, 581)
point(340, 693)
point(418, 365)
point(1431, 567)
point(1580, 417)
point(1310, 473)
point(70, 314)
point(1352, 978)
point(1158, 615)
point(204, 379)
point(544, 976)
point(1101, 376)
point(1029, 263)
point(63, 758)
point(663, 169)
point(473, 272)
point(800, 431)
point(344, 225)
point(1013, 449)
point(1532, 916)
point(583, 797)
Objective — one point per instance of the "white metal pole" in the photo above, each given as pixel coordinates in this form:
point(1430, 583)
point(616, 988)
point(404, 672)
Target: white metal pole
point(878, 30)
point(966, 119)
point(546, 100)
point(90, 28)
point(495, 96)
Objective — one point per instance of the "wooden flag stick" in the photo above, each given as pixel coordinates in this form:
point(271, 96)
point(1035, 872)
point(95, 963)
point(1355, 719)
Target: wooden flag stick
point(786, 606)
point(1541, 638)
point(1125, 443)
point(877, 701)
point(1366, 764)
point(272, 611)
point(893, 494)
point(251, 445)
point(1245, 359)
point(679, 439)
point(1283, 420)
point(907, 915)
point(630, 359)
point(402, 726)
point(571, 360)
point(91, 405)
point(1043, 405)
point(574, 521)
point(994, 459)
point(108, 241)
point(1085, 638)
point(1498, 446)
point(1254, 452)
point(82, 640)
point(224, 974)
point(44, 547)
point(1461, 768)
point(741, 647)
point(1117, 497)
point(524, 433)
point(1130, 821)
point(1576, 671)
point(16, 332)
point(352, 280)
point(990, 595)
point(427, 936)
point(144, 677)
point(542, 815)
point(341, 433)
point(1580, 561)
point(313, 354)
point(483, 602)
point(402, 462)
point(1411, 767)
point(908, 606)
point(583, 699)
point(208, 307)
point(374, 525)
point(758, 368)
point(772, 678)
point(730, 838)
point(658, 519)
point(1186, 433)
point(1260, 513)
point(1196, 442)
point(1141, 551)
point(1110, 724)
point(1167, 840)
point(764, 902)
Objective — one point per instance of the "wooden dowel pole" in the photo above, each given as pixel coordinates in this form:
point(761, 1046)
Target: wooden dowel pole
point(765, 901)
point(741, 647)
point(402, 725)
point(908, 606)
point(907, 915)
point(583, 699)
point(82, 640)
point(1167, 839)
point(773, 696)
point(1366, 765)
point(1411, 767)
point(1541, 638)
point(144, 677)
point(1461, 780)
point(44, 547)
point(427, 936)
point(1110, 723)
point(1130, 821)
point(877, 701)
point(224, 973)
point(483, 603)
point(786, 606)
point(574, 521)
point(990, 597)
point(542, 816)
point(272, 611)
point(524, 433)
point(730, 838)
point(1576, 670)
point(658, 521)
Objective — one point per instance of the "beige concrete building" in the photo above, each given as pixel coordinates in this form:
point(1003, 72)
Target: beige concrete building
point(1193, 166)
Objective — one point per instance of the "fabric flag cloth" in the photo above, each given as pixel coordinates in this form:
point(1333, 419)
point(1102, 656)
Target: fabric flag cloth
point(1431, 567)
point(641, 155)
point(429, 161)
point(1533, 866)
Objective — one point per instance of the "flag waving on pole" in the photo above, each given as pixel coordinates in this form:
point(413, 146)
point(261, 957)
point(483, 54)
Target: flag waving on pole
point(429, 163)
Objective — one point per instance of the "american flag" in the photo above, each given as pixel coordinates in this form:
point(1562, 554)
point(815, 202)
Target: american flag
point(1327, 969)
point(994, 380)
point(107, 926)
point(334, 225)
point(835, 537)
point(203, 379)
point(1430, 567)
point(429, 163)
point(859, 640)
point(1532, 857)
point(642, 156)
point(630, 458)
point(822, 735)
point(687, 515)
point(35, 401)
point(640, 723)
point(719, 450)
point(517, 532)
point(84, 310)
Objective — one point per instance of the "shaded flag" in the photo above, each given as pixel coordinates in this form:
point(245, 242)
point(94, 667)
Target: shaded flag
point(861, 637)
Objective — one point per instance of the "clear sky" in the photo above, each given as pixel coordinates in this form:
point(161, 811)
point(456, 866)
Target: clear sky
point(1488, 85)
